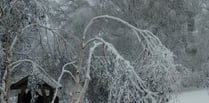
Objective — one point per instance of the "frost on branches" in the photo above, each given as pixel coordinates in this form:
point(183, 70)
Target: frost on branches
point(148, 79)
point(112, 78)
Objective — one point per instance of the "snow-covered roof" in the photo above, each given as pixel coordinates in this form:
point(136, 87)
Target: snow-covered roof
point(40, 74)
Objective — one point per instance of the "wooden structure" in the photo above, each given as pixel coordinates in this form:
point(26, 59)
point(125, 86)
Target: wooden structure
point(44, 91)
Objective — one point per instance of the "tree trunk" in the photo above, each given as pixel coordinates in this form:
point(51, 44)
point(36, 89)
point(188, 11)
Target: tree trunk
point(7, 61)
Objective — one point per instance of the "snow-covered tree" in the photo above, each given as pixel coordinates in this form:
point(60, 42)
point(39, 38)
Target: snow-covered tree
point(122, 80)
point(112, 61)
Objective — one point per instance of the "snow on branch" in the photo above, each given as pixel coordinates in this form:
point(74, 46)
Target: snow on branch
point(151, 41)
point(21, 61)
point(84, 89)
point(53, 31)
point(66, 71)
point(13, 66)
point(126, 84)
point(122, 77)
point(60, 77)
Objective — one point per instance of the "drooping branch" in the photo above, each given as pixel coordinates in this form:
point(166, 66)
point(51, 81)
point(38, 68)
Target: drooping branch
point(156, 53)
point(84, 89)
point(107, 17)
point(53, 31)
point(151, 41)
point(60, 77)
point(23, 60)
point(124, 66)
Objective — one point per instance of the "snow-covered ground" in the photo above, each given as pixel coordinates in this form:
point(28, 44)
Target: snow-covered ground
point(194, 96)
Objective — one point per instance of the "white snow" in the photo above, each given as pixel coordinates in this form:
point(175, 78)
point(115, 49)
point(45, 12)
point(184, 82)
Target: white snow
point(194, 96)
point(91, 2)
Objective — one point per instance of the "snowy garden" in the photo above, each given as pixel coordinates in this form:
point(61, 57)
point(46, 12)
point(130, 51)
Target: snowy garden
point(104, 51)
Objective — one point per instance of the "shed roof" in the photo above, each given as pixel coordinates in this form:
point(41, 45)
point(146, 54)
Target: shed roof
point(40, 74)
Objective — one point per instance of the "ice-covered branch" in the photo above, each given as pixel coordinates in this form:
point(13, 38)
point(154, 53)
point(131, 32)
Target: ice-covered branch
point(13, 66)
point(107, 17)
point(23, 60)
point(84, 89)
point(3, 88)
point(53, 31)
point(151, 41)
point(91, 52)
point(125, 83)
point(34, 64)
point(63, 71)
point(60, 77)
point(11, 4)
point(124, 70)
